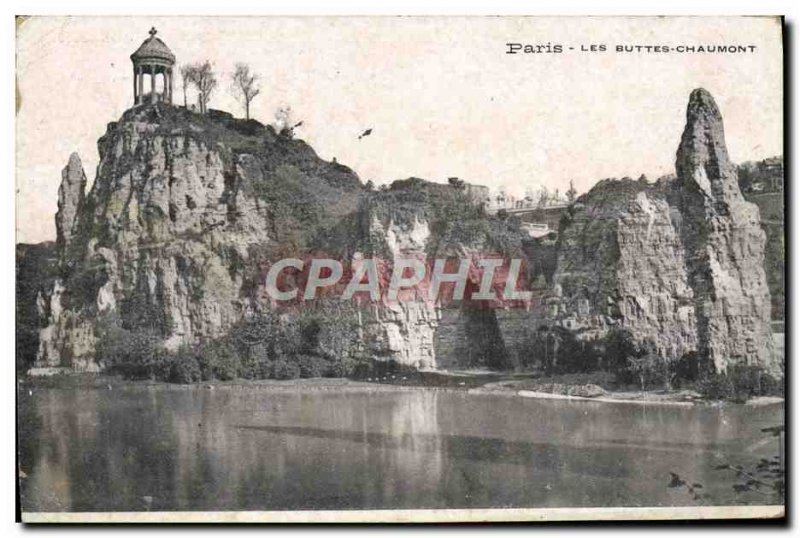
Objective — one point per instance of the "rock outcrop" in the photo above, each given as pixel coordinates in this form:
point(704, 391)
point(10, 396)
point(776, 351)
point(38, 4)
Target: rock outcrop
point(621, 267)
point(71, 195)
point(409, 221)
point(188, 210)
point(678, 264)
point(724, 245)
point(182, 213)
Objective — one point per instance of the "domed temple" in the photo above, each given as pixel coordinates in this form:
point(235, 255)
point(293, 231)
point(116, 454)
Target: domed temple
point(152, 58)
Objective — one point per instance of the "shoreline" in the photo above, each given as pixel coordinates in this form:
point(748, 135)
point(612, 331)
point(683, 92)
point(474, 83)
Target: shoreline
point(94, 381)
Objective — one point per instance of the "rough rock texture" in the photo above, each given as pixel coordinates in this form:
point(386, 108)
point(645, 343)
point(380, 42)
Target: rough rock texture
point(183, 210)
point(724, 245)
point(621, 266)
point(71, 195)
point(680, 264)
point(401, 331)
point(414, 219)
point(187, 210)
point(68, 339)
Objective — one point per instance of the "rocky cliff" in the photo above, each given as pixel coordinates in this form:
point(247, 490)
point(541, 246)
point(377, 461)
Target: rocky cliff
point(188, 210)
point(182, 213)
point(421, 220)
point(621, 266)
point(679, 264)
point(724, 245)
point(71, 194)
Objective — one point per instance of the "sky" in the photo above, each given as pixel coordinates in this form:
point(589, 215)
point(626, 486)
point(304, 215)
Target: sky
point(441, 95)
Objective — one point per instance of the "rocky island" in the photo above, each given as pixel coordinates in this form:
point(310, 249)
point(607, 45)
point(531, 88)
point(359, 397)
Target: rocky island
point(188, 210)
point(163, 268)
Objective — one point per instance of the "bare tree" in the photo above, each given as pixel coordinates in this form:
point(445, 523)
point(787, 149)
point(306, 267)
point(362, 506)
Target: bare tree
point(245, 86)
point(202, 76)
point(544, 197)
point(572, 194)
point(186, 79)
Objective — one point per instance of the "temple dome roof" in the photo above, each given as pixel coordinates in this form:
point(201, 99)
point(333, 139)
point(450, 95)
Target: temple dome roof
point(153, 48)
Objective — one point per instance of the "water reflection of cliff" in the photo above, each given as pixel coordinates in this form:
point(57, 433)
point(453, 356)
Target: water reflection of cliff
point(230, 449)
point(192, 448)
point(307, 450)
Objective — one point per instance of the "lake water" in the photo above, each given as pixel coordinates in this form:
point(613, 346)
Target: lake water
point(190, 448)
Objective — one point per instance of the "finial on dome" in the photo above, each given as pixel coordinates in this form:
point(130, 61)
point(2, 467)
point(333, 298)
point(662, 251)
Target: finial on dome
point(153, 31)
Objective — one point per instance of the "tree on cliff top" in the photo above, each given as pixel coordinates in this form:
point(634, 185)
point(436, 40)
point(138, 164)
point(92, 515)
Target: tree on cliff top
point(245, 86)
point(204, 79)
point(186, 79)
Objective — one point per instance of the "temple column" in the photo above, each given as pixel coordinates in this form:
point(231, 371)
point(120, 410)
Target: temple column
point(152, 83)
point(141, 84)
point(135, 88)
point(165, 80)
point(170, 85)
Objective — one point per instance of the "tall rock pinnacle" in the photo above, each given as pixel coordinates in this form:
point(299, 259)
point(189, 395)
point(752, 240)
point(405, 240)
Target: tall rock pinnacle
point(724, 246)
point(703, 157)
point(70, 199)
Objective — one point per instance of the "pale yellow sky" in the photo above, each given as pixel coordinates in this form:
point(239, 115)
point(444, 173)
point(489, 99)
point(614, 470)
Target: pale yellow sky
point(442, 97)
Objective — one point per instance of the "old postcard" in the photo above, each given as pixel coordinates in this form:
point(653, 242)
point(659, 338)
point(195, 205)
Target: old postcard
point(399, 269)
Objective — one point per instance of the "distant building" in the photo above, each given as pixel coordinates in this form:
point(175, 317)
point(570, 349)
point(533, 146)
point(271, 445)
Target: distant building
point(772, 168)
point(539, 231)
point(510, 203)
point(479, 193)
